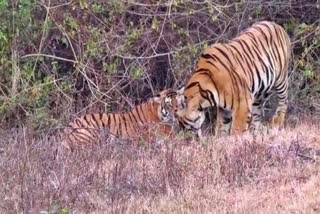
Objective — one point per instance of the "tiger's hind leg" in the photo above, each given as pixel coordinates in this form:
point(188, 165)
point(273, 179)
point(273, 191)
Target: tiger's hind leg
point(224, 119)
point(280, 113)
point(256, 115)
point(257, 111)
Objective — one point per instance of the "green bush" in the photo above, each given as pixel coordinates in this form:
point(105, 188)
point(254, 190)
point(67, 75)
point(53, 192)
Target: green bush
point(60, 59)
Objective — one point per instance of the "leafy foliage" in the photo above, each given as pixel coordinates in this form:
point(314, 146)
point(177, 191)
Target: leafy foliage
point(58, 58)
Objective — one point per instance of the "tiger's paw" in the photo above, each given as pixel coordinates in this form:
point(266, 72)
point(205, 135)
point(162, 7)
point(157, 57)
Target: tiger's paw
point(278, 120)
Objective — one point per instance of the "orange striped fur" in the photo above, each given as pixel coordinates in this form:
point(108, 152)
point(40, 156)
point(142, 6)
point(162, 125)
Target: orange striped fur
point(237, 77)
point(144, 122)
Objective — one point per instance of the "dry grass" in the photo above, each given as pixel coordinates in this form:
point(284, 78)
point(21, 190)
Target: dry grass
point(274, 172)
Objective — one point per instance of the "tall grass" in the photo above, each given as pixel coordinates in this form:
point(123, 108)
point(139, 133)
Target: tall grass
point(275, 171)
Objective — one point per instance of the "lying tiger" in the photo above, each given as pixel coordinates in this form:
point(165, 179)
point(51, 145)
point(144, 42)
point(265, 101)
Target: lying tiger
point(146, 121)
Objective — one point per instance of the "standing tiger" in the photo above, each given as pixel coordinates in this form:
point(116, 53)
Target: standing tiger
point(145, 121)
point(237, 78)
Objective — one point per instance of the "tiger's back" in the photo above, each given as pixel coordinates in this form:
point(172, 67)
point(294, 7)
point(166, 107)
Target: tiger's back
point(257, 58)
point(237, 77)
point(154, 118)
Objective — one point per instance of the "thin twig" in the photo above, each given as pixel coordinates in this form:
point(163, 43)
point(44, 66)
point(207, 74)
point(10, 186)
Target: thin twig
point(42, 36)
point(50, 56)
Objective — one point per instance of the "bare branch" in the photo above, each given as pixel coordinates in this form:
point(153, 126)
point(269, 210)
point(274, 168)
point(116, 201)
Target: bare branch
point(50, 56)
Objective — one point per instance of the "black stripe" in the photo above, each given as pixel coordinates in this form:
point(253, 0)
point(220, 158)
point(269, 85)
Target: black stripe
point(271, 53)
point(142, 112)
point(279, 37)
point(224, 54)
point(205, 94)
point(281, 40)
point(281, 87)
point(235, 83)
point(191, 121)
point(250, 72)
point(102, 121)
point(119, 125)
point(134, 116)
point(214, 84)
point(200, 70)
point(125, 123)
point(246, 58)
point(232, 77)
point(273, 41)
point(82, 136)
point(270, 31)
point(280, 77)
point(79, 139)
point(248, 48)
point(240, 63)
point(137, 114)
point(258, 53)
point(220, 61)
point(212, 64)
point(279, 56)
point(95, 120)
point(264, 68)
point(260, 81)
point(78, 122)
point(191, 85)
point(212, 98)
point(269, 80)
point(256, 69)
point(133, 121)
point(241, 80)
point(224, 100)
point(207, 56)
point(171, 93)
point(113, 124)
point(244, 70)
point(233, 55)
point(263, 34)
point(108, 121)
point(237, 51)
point(87, 120)
point(268, 56)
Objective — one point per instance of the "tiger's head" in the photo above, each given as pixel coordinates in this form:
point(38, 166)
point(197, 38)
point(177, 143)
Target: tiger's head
point(191, 105)
point(168, 105)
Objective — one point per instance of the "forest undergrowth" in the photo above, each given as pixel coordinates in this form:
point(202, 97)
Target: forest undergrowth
point(60, 59)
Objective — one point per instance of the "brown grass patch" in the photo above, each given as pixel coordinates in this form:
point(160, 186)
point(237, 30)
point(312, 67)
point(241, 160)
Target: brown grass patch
point(276, 171)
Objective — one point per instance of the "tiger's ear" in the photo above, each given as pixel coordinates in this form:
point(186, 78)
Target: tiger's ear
point(180, 90)
point(168, 100)
point(180, 98)
point(157, 98)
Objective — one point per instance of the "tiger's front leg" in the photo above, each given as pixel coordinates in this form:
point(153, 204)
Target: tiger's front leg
point(241, 117)
point(279, 116)
point(258, 112)
point(223, 123)
point(256, 115)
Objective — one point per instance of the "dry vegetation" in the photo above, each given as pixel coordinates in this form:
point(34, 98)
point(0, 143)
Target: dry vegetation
point(273, 172)
point(62, 58)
